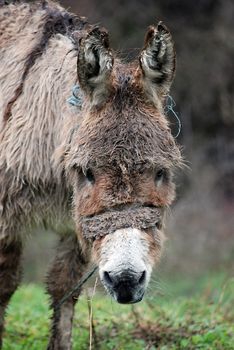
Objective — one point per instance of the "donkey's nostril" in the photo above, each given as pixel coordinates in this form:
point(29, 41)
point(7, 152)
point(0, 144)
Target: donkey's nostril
point(107, 278)
point(142, 278)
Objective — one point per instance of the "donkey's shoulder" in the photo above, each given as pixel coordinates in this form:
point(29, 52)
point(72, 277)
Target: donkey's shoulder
point(46, 17)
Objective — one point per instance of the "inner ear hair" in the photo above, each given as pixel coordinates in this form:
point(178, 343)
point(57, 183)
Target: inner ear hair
point(158, 61)
point(95, 62)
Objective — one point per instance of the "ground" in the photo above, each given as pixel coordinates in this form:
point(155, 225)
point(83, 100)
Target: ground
point(172, 316)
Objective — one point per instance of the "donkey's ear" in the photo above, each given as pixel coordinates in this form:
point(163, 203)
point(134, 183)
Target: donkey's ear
point(158, 60)
point(94, 66)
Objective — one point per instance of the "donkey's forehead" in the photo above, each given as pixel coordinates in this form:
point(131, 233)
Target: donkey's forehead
point(129, 135)
point(124, 73)
point(126, 83)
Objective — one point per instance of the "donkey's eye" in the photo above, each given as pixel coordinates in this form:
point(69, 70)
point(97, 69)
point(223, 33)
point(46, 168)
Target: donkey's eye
point(89, 176)
point(84, 176)
point(160, 174)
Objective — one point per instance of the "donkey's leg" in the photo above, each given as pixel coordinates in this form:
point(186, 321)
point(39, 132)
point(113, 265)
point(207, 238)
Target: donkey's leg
point(67, 268)
point(10, 273)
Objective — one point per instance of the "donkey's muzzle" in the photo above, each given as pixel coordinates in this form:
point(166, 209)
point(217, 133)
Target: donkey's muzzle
point(128, 287)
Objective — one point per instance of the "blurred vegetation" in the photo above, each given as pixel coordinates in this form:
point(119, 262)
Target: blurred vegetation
point(201, 319)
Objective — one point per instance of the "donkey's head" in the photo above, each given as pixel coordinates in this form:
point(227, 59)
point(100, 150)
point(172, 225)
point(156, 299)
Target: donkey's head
point(122, 158)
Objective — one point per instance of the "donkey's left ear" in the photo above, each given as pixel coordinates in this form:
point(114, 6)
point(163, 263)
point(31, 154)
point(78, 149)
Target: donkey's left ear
point(158, 60)
point(95, 63)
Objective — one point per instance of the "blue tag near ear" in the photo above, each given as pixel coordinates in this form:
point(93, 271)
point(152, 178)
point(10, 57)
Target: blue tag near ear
point(75, 99)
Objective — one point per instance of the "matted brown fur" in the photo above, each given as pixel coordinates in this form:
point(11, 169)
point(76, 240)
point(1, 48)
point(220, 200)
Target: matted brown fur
point(108, 222)
point(47, 147)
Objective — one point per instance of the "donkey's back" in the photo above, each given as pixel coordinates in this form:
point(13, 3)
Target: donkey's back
point(38, 55)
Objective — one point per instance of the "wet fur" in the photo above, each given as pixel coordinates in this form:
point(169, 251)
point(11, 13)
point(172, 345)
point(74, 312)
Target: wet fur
point(37, 74)
point(47, 145)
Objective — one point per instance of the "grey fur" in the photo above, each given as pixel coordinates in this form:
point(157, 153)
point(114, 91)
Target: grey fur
point(47, 146)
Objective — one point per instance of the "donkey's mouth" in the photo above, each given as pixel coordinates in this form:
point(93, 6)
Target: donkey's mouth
point(129, 298)
point(126, 298)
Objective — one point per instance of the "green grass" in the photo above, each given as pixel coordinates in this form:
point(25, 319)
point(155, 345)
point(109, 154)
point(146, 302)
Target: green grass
point(177, 320)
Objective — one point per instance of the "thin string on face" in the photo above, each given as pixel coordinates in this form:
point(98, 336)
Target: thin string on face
point(76, 100)
point(170, 105)
point(76, 288)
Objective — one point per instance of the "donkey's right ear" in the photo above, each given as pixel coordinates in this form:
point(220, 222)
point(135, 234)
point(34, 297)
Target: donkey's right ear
point(95, 63)
point(158, 60)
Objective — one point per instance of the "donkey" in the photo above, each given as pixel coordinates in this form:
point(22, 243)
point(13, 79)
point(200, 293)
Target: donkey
point(99, 172)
